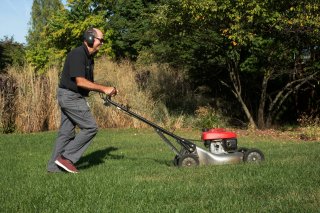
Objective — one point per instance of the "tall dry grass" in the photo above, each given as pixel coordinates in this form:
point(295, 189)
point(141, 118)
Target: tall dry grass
point(36, 108)
point(170, 89)
point(141, 89)
point(122, 76)
point(8, 89)
point(1, 108)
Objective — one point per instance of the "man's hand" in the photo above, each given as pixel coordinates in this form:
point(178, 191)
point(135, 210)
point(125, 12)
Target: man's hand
point(111, 91)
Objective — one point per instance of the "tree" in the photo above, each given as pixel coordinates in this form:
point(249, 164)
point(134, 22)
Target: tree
point(61, 29)
point(39, 51)
point(263, 53)
point(251, 42)
point(66, 28)
point(130, 23)
point(125, 24)
point(271, 38)
point(11, 53)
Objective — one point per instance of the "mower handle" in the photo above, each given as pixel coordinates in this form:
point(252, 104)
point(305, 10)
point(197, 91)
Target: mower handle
point(191, 147)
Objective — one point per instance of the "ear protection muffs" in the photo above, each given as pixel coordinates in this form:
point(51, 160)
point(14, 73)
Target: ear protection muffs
point(89, 37)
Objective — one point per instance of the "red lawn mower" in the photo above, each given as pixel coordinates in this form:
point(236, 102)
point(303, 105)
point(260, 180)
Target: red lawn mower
point(222, 145)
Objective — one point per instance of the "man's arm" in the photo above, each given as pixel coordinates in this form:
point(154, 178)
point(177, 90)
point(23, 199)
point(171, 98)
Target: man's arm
point(84, 83)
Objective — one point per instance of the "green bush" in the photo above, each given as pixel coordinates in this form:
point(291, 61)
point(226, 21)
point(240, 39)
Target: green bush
point(207, 117)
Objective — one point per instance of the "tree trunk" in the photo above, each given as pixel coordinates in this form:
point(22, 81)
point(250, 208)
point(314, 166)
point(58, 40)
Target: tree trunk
point(262, 102)
point(236, 90)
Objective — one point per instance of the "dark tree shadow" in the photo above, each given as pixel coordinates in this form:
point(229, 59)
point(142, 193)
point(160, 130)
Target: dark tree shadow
point(97, 157)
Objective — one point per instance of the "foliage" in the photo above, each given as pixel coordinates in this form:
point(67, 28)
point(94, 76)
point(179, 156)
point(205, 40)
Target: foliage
point(264, 54)
point(11, 53)
point(131, 27)
point(310, 126)
point(207, 117)
point(40, 53)
point(249, 46)
point(180, 39)
point(66, 28)
point(124, 23)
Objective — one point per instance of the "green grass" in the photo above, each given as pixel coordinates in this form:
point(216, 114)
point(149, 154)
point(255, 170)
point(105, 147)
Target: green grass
point(132, 171)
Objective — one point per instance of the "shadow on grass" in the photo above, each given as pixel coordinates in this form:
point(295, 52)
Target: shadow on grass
point(168, 163)
point(97, 157)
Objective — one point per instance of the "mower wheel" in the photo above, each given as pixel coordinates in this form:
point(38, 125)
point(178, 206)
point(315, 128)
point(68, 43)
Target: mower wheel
point(253, 156)
point(177, 157)
point(176, 160)
point(188, 160)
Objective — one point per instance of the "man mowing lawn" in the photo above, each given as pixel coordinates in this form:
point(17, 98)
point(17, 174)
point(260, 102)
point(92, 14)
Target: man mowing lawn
point(75, 84)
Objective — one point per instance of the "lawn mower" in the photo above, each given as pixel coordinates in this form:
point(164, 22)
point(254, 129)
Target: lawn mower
point(222, 144)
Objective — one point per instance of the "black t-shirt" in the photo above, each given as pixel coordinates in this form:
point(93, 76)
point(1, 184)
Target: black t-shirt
point(79, 63)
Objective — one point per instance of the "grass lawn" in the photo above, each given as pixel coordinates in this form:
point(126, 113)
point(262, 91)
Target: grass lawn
point(132, 171)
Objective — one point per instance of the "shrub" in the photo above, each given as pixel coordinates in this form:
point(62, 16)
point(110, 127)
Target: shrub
point(207, 117)
point(8, 88)
point(310, 127)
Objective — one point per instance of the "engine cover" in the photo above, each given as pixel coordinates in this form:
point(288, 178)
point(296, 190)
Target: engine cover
point(219, 141)
point(217, 133)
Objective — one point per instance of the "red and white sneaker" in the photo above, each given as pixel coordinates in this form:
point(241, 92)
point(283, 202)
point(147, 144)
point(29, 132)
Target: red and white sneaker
point(66, 164)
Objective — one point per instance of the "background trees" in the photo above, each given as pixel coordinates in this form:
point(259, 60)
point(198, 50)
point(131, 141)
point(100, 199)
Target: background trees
point(255, 61)
point(40, 51)
point(11, 53)
point(256, 49)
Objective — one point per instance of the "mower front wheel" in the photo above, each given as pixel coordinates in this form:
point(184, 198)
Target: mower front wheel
point(188, 160)
point(253, 156)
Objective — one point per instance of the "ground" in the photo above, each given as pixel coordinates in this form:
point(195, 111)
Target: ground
point(297, 134)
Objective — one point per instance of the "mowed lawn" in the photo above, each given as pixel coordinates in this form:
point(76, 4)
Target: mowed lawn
point(129, 170)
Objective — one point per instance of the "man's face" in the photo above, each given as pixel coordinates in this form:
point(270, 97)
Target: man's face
point(98, 41)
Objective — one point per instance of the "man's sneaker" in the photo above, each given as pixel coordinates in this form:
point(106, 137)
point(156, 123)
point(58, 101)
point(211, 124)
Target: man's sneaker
point(66, 164)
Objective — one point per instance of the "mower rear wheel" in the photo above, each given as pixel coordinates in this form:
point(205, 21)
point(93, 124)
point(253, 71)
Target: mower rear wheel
point(177, 157)
point(188, 160)
point(253, 156)
point(176, 160)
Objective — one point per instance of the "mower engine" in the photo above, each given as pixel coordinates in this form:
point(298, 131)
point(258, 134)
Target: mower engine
point(223, 149)
point(219, 141)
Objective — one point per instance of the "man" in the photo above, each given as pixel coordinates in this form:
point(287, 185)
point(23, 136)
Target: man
point(75, 84)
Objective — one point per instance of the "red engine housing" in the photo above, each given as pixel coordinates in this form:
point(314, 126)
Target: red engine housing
point(217, 133)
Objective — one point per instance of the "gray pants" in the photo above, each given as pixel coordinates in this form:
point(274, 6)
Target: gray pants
point(74, 112)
